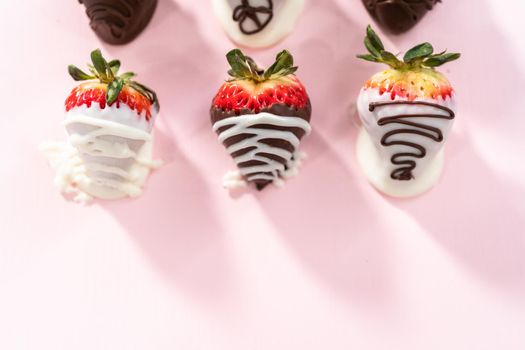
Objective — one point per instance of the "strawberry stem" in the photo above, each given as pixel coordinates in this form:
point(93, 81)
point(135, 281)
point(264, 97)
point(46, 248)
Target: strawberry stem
point(420, 56)
point(107, 73)
point(244, 67)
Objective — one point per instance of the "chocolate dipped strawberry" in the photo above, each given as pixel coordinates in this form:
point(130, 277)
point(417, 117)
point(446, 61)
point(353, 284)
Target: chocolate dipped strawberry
point(257, 23)
point(118, 22)
point(260, 117)
point(398, 16)
point(407, 111)
point(109, 119)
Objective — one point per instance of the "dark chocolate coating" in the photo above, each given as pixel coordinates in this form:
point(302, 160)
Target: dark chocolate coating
point(277, 109)
point(398, 16)
point(118, 22)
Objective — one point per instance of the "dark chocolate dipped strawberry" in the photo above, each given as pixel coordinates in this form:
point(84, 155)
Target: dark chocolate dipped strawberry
point(260, 117)
point(398, 16)
point(118, 22)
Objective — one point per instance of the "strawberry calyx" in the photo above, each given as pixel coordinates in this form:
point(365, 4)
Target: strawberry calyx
point(107, 74)
point(244, 67)
point(94, 93)
point(253, 89)
point(413, 77)
point(420, 56)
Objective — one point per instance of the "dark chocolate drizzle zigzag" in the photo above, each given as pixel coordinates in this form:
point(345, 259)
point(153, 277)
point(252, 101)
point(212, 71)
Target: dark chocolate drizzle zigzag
point(245, 11)
point(404, 172)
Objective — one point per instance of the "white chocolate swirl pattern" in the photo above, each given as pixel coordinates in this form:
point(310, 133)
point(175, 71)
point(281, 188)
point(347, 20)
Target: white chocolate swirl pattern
point(273, 163)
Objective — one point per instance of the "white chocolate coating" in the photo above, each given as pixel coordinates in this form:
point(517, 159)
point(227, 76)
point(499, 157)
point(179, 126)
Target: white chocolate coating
point(246, 124)
point(104, 157)
point(376, 159)
point(285, 15)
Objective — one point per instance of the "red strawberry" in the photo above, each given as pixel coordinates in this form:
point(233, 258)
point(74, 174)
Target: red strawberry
point(111, 90)
point(260, 116)
point(414, 77)
point(95, 93)
point(109, 121)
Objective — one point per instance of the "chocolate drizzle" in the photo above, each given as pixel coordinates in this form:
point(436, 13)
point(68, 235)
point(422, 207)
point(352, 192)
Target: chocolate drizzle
point(404, 172)
point(244, 12)
point(398, 15)
point(276, 142)
point(119, 21)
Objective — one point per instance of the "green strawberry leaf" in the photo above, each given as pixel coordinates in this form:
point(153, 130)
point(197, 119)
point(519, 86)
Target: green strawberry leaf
point(437, 61)
point(369, 58)
point(437, 54)
point(371, 48)
point(390, 59)
point(100, 64)
point(113, 90)
point(255, 70)
point(419, 51)
point(283, 61)
point(288, 71)
point(93, 70)
point(114, 65)
point(374, 39)
point(237, 61)
point(77, 74)
point(107, 73)
point(127, 76)
point(145, 91)
point(419, 56)
point(137, 87)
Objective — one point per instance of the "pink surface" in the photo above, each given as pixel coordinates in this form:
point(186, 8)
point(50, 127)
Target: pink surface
point(326, 262)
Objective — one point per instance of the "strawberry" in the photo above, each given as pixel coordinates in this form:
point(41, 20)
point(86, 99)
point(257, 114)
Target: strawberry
point(411, 78)
point(88, 93)
point(260, 116)
point(118, 22)
point(398, 16)
point(257, 23)
point(109, 119)
point(408, 108)
point(110, 89)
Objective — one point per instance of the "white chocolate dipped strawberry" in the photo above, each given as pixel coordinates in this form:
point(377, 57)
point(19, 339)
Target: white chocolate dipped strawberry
point(260, 117)
point(257, 23)
point(109, 119)
point(407, 111)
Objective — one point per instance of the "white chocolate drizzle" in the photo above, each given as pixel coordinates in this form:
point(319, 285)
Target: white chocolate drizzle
point(103, 158)
point(271, 170)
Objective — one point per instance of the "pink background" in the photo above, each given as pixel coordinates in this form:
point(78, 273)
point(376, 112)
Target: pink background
point(326, 262)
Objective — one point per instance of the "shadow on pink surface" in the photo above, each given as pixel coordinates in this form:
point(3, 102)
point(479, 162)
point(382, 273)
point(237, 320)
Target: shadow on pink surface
point(180, 246)
point(481, 225)
point(485, 238)
point(341, 240)
point(335, 233)
point(180, 235)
